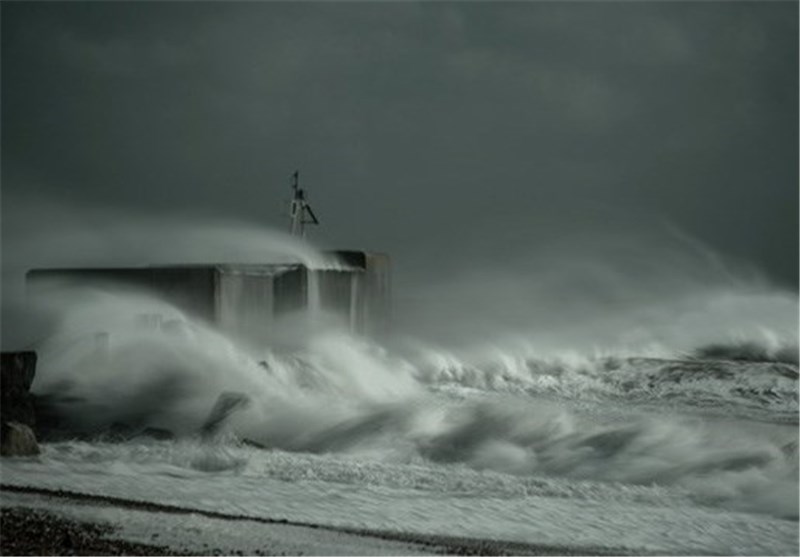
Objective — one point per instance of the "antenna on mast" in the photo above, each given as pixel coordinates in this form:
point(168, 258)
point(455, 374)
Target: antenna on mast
point(301, 213)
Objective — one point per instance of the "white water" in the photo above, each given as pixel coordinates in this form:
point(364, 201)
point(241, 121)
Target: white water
point(532, 436)
point(638, 454)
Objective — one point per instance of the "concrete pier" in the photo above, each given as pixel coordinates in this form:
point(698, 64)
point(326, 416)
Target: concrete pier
point(242, 298)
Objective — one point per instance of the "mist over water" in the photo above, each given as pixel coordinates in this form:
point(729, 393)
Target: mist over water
point(490, 368)
point(597, 288)
point(621, 288)
point(64, 236)
point(70, 236)
point(342, 394)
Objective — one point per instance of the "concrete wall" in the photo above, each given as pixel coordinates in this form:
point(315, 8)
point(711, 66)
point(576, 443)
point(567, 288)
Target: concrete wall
point(290, 290)
point(245, 303)
point(369, 282)
point(377, 291)
point(247, 299)
point(337, 293)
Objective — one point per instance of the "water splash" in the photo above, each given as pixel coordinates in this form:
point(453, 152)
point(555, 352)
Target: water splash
point(344, 394)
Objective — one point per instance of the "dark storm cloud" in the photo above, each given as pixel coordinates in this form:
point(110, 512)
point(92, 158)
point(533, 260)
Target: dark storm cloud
point(445, 128)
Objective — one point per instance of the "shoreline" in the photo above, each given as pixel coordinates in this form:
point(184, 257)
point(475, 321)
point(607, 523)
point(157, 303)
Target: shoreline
point(69, 534)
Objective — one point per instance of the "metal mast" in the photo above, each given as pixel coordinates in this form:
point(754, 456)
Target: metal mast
point(301, 213)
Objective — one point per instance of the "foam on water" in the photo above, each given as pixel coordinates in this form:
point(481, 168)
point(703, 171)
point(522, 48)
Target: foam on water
point(532, 434)
point(452, 499)
point(343, 394)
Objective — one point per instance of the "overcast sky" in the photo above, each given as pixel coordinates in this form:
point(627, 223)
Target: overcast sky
point(450, 129)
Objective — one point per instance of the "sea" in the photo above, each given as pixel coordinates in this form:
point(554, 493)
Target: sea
point(629, 450)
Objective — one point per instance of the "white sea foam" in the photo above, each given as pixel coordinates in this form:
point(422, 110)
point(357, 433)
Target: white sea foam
point(528, 434)
point(347, 395)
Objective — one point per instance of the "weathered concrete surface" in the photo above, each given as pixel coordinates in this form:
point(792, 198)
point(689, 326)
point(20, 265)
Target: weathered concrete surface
point(246, 299)
point(361, 292)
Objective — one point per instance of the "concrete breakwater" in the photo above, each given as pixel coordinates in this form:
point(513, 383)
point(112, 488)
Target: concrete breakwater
point(248, 299)
point(257, 304)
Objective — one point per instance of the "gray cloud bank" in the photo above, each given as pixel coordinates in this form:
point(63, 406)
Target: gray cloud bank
point(448, 134)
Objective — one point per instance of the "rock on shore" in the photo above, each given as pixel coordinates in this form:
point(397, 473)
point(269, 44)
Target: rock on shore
point(17, 410)
point(17, 439)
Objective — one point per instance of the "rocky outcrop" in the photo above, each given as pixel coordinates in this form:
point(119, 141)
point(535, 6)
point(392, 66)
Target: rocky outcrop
point(17, 439)
point(17, 410)
point(17, 370)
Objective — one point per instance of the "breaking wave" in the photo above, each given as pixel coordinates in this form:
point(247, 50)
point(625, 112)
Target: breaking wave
point(508, 413)
point(748, 351)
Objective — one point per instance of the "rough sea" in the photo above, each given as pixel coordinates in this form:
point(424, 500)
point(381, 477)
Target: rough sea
point(634, 454)
point(623, 406)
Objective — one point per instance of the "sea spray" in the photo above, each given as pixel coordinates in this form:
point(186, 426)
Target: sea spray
point(504, 404)
point(343, 394)
point(170, 375)
point(637, 292)
point(71, 237)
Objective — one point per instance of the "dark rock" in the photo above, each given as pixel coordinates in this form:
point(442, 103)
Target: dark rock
point(17, 439)
point(17, 410)
point(20, 409)
point(17, 370)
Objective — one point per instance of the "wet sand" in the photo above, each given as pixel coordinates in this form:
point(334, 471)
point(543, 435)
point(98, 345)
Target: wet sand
point(34, 523)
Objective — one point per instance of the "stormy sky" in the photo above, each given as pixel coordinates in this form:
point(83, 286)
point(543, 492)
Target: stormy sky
point(436, 131)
